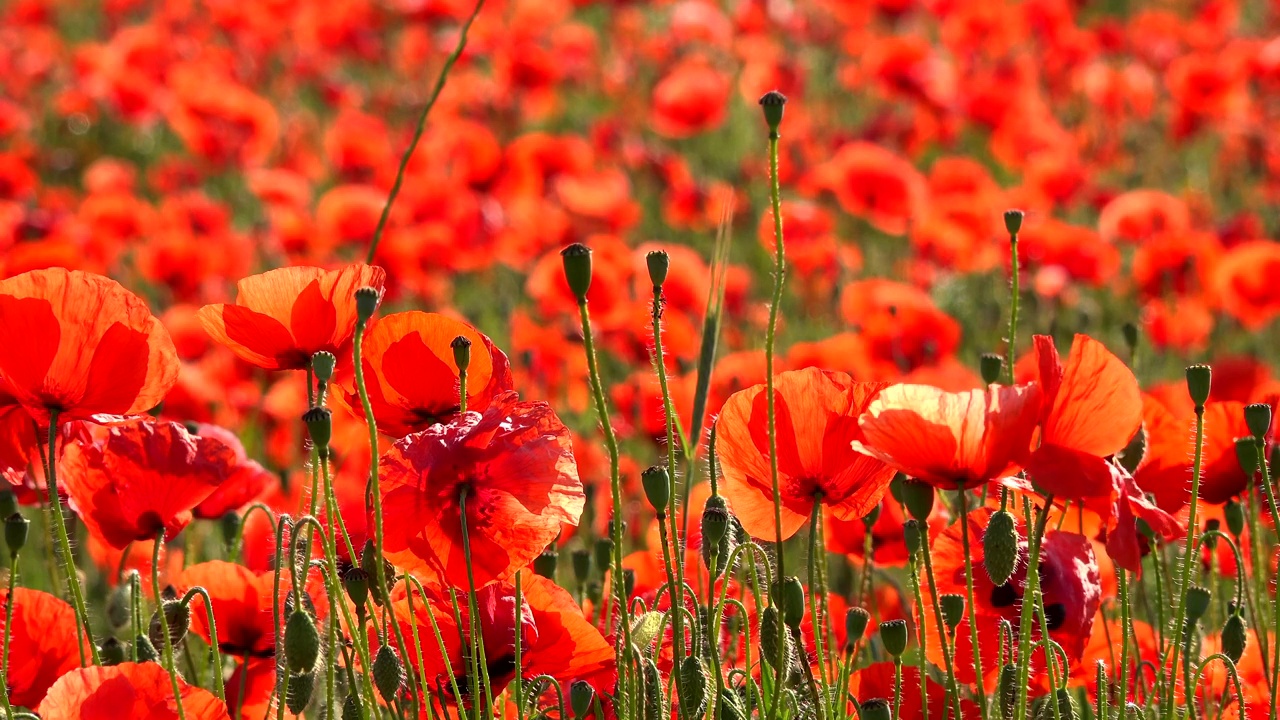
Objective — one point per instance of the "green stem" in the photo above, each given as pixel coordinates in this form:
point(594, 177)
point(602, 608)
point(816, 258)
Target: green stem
point(921, 638)
point(1126, 630)
point(969, 595)
point(9, 602)
point(897, 686)
point(1013, 326)
point(1030, 594)
point(1266, 566)
point(779, 278)
point(218, 688)
point(64, 545)
point(166, 645)
point(518, 681)
point(1188, 557)
point(676, 572)
point(480, 668)
point(817, 555)
point(953, 686)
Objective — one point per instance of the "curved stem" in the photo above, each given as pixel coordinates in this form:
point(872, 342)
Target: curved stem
point(218, 688)
point(64, 544)
point(166, 645)
point(676, 573)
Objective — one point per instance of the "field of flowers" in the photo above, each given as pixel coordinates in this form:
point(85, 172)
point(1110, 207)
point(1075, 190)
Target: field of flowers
point(624, 360)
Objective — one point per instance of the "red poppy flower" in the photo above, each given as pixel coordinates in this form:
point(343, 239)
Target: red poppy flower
point(514, 461)
point(1244, 286)
point(142, 478)
point(81, 345)
point(18, 442)
point(873, 183)
point(1165, 469)
point(888, 548)
point(902, 327)
point(132, 690)
point(242, 606)
point(283, 317)
point(690, 99)
point(1140, 214)
point(246, 482)
point(258, 680)
point(952, 440)
point(1092, 408)
point(875, 681)
point(42, 643)
point(817, 422)
point(411, 376)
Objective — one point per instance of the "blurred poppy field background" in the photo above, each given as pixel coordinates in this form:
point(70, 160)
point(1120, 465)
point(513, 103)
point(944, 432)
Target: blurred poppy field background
point(400, 358)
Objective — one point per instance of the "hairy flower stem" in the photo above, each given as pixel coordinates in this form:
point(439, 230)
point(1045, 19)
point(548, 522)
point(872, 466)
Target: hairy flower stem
point(1126, 631)
point(1190, 554)
point(953, 686)
point(675, 579)
point(779, 278)
point(1266, 565)
point(897, 686)
point(1030, 594)
point(166, 646)
point(518, 680)
point(84, 632)
point(818, 555)
point(8, 626)
point(968, 587)
point(480, 684)
point(921, 635)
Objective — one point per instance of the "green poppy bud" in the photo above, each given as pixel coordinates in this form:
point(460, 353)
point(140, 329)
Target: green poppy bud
point(659, 263)
point(1212, 525)
point(1000, 547)
point(1247, 455)
point(581, 695)
point(145, 648)
point(1130, 332)
point(775, 645)
point(581, 560)
point(351, 709)
point(545, 563)
point(299, 694)
point(1197, 603)
point(1199, 380)
point(657, 488)
point(917, 498)
point(178, 617)
point(1234, 513)
point(952, 607)
point(1258, 417)
point(893, 633)
point(8, 503)
point(911, 536)
point(301, 642)
point(388, 672)
point(715, 520)
point(604, 553)
point(856, 620)
point(1235, 637)
point(773, 103)
point(1042, 707)
point(1007, 690)
point(694, 685)
point(790, 600)
point(461, 353)
point(1013, 221)
point(655, 697)
point(319, 422)
point(322, 364)
point(990, 365)
point(876, 709)
point(628, 582)
point(229, 527)
point(577, 270)
point(16, 529)
point(367, 300)
point(731, 707)
point(112, 652)
point(356, 583)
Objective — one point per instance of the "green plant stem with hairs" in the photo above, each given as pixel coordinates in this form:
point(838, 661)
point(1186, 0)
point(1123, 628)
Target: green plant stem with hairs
point(1190, 553)
point(8, 626)
point(817, 556)
point(1031, 594)
point(953, 686)
point(1274, 683)
point(968, 588)
point(480, 667)
point(83, 631)
point(1126, 631)
point(166, 646)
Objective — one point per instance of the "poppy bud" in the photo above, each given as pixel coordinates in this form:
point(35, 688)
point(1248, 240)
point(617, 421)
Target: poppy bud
point(8, 503)
point(855, 624)
point(1235, 636)
point(145, 648)
point(112, 652)
point(604, 553)
point(1042, 707)
point(876, 709)
point(322, 364)
point(299, 694)
point(1013, 221)
point(388, 672)
point(917, 498)
point(369, 564)
point(178, 617)
point(893, 633)
point(356, 582)
point(351, 709)
point(16, 528)
point(1199, 380)
point(1247, 454)
point(789, 597)
point(715, 520)
point(1258, 417)
point(657, 488)
point(581, 564)
point(1234, 513)
point(581, 695)
point(990, 365)
point(1007, 690)
point(301, 642)
point(655, 698)
point(1130, 332)
point(870, 518)
point(1132, 710)
point(545, 563)
point(1212, 525)
point(628, 581)
point(1000, 547)
point(367, 300)
point(119, 610)
point(771, 635)
point(319, 422)
point(694, 684)
point(1197, 603)
point(229, 527)
point(659, 262)
point(952, 606)
point(730, 707)
point(461, 353)
point(911, 536)
point(577, 269)
point(773, 102)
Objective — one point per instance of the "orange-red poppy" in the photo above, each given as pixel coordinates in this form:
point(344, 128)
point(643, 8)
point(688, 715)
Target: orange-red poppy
point(902, 327)
point(252, 688)
point(1137, 215)
point(246, 481)
point(410, 373)
point(817, 423)
point(132, 690)
point(875, 184)
point(42, 643)
point(243, 603)
point(1244, 283)
point(141, 478)
point(515, 464)
point(18, 442)
point(283, 317)
point(1092, 408)
point(690, 99)
point(81, 345)
point(1165, 469)
point(952, 440)
point(875, 681)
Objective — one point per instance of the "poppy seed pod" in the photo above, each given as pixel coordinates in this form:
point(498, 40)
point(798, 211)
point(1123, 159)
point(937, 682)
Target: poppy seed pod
point(773, 103)
point(8, 503)
point(1000, 547)
point(1247, 454)
point(657, 488)
point(178, 617)
point(604, 553)
point(1233, 511)
point(911, 536)
point(145, 648)
point(581, 695)
point(112, 652)
point(16, 528)
point(319, 421)
point(790, 600)
point(322, 364)
point(367, 300)
point(917, 498)
point(545, 564)
point(577, 269)
point(461, 347)
point(952, 610)
point(1235, 636)
point(1258, 417)
point(856, 620)
point(715, 520)
point(299, 694)
point(893, 633)
point(1199, 381)
point(388, 672)
point(301, 642)
point(581, 559)
point(356, 583)
point(695, 686)
point(1013, 221)
point(659, 263)
point(1197, 603)
point(876, 709)
point(990, 365)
